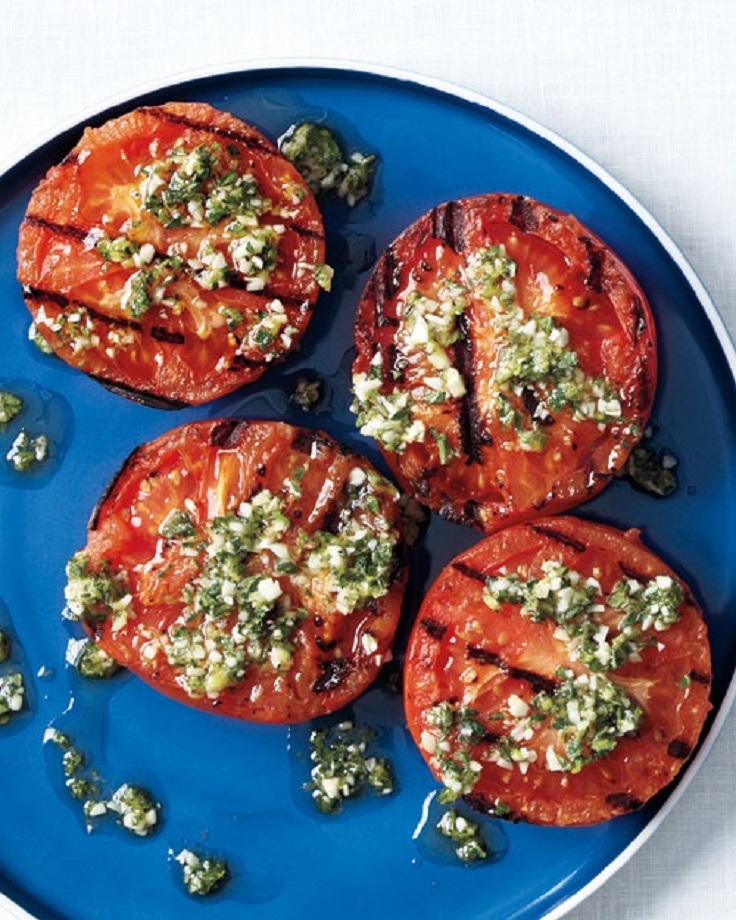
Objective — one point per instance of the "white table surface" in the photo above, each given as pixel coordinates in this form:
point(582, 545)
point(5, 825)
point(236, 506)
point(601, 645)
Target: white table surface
point(648, 89)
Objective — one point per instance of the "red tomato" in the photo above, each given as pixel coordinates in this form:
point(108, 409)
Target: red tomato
point(507, 444)
point(262, 569)
point(498, 667)
point(181, 182)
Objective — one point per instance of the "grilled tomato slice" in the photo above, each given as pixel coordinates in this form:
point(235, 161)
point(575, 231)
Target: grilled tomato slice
point(558, 672)
point(172, 254)
point(249, 567)
point(506, 360)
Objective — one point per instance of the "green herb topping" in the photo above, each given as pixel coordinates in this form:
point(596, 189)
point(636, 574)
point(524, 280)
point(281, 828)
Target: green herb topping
point(465, 834)
point(591, 714)
point(12, 695)
point(90, 660)
point(94, 595)
point(317, 155)
point(202, 875)
point(577, 605)
point(136, 810)
point(452, 734)
point(344, 768)
point(27, 451)
point(10, 406)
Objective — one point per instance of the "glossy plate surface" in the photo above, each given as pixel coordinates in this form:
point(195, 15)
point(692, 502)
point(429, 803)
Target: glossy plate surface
point(235, 789)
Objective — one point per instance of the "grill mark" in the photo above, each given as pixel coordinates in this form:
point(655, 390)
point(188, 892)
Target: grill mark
point(594, 281)
point(640, 320)
point(306, 232)
point(538, 682)
point(699, 678)
point(241, 362)
point(631, 573)
point(423, 482)
point(482, 804)
point(531, 404)
point(76, 233)
point(239, 284)
point(433, 628)
point(324, 645)
point(138, 395)
point(161, 334)
point(678, 749)
point(469, 572)
point(224, 433)
point(623, 801)
point(333, 674)
point(469, 420)
point(304, 440)
point(475, 653)
point(522, 214)
point(559, 537)
point(447, 225)
point(110, 487)
point(253, 143)
point(386, 284)
point(468, 513)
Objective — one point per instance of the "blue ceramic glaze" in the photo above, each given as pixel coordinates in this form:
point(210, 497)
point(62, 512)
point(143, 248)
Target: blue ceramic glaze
point(229, 787)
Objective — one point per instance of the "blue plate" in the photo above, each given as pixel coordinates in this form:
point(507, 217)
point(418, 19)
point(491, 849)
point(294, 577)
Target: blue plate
point(235, 789)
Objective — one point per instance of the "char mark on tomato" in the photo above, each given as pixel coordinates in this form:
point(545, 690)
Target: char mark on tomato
point(623, 801)
point(447, 225)
point(386, 286)
point(161, 334)
point(112, 486)
point(678, 749)
point(699, 678)
point(467, 513)
point(139, 395)
point(325, 645)
point(243, 362)
point(538, 682)
point(469, 572)
point(484, 806)
point(41, 295)
point(305, 442)
point(594, 280)
point(522, 214)
point(532, 403)
point(639, 316)
point(333, 673)
point(433, 628)
point(558, 536)
point(76, 233)
point(307, 232)
point(227, 432)
point(469, 418)
point(253, 143)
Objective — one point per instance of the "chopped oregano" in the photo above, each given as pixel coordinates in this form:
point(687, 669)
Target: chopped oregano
point(344, 768)
point(10, 407)
point(27, 451)
point(202, 875)
point(465, 834)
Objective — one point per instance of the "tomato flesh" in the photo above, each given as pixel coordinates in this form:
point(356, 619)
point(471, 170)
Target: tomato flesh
point(465, 653)
point(208, 470)
point(195, 341)
point(471, 464)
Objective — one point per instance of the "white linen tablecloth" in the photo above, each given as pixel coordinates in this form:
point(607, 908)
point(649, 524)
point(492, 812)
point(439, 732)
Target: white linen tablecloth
point(648, 89)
